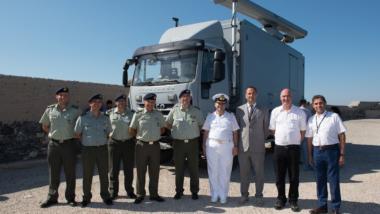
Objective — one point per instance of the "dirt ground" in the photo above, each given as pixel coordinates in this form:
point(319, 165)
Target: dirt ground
point(24, 185)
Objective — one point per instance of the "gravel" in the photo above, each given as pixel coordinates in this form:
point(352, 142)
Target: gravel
point(23, 185)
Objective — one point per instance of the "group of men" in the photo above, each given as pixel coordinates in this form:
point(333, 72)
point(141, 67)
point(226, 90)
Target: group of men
point(133, 139)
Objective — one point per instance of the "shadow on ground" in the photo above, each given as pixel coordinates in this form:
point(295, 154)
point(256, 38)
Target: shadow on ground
point(360, 159)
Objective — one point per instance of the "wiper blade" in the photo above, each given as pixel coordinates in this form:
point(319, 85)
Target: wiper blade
point(166, 81)
point(149, 83)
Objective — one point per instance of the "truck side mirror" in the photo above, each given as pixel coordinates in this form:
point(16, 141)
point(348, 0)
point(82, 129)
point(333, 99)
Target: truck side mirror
point(125, 72)
point(219, 67)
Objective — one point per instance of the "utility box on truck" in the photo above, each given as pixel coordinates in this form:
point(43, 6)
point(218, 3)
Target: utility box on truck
point(217, 57)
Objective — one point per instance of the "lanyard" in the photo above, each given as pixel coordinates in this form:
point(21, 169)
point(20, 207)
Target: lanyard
point(316, 121)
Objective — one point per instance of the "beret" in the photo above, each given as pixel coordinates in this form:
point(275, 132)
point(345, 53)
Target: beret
point(96, 97)
point(150, 96)
point(186, 91)
point(64, 89)
point(121, 97)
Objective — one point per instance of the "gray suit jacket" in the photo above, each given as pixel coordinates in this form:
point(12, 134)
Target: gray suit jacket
point(252, 133)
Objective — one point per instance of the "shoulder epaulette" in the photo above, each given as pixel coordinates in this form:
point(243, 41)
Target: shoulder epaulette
point(197, 107)
point(108, 112)
point(139, 111)
point(52, 105)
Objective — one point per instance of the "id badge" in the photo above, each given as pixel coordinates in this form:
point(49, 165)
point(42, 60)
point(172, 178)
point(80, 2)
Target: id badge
point(317, 139)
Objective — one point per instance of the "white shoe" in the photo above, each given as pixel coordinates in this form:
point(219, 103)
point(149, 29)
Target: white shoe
point(214, 199)
point(223, 200)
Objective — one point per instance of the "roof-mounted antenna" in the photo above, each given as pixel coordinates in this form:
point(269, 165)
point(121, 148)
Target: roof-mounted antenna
point(175, 19)
point(270, 21)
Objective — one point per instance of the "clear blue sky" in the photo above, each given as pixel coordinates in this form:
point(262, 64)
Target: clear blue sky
point(89, 40)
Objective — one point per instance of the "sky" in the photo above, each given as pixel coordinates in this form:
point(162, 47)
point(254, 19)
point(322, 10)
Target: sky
point(89, 40)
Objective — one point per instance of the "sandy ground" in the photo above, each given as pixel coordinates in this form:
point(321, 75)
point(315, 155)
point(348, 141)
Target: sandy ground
point(23, 185)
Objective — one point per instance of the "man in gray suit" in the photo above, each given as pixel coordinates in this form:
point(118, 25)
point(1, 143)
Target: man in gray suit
point(253, 122)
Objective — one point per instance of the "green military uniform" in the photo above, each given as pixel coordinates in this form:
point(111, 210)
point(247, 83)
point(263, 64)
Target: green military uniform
point(185, 130)
point(121, 148)
point(94, 131)
point(61, 149)
point(148, 125)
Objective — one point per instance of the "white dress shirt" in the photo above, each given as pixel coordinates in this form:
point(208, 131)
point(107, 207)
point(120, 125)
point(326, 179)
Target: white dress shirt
point(325, 128)
point(287, 125)
point(221, 127)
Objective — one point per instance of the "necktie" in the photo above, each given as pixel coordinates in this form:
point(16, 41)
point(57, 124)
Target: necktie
point(250, 113)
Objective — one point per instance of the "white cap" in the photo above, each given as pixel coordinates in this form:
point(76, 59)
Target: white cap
point(221, 97)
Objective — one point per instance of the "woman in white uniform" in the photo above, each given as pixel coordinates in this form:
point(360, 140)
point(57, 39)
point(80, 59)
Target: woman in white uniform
point(220, 140)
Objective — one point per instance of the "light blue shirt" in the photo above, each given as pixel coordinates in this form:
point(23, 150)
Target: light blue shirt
point(94, 130)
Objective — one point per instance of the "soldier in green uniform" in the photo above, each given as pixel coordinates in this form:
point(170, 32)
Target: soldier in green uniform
point(58, 122)
point(93, 128)
point(121, 147)
point(185, 122)
point(147, 125)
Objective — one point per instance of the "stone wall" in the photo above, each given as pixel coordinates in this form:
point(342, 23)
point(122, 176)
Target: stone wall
point(24, 99)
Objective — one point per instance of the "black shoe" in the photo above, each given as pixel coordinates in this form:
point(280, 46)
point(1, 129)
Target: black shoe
point(108, 201)
point(48, 203)
point(156, 198)
point(194, 196)
point(178, 195)
point(279, 205)
point(319, 210)
point(294, 207)
point(139, 199)
point(336, 211)
point(84, 203)
point(72, 203)
point(114, 196)
point(132, 195)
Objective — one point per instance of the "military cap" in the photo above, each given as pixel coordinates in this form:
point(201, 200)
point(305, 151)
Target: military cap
point(150, 96)
point(64, 89)
point(96, 97)
point(186, 91)
point(121, 97)
point(220, 98)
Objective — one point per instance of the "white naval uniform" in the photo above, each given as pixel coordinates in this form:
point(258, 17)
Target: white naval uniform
point(219, 147)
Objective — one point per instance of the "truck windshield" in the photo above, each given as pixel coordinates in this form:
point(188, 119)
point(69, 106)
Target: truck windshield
point(166, 68)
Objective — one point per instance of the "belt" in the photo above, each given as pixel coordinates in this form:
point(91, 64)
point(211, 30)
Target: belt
point(186, 140)
point(325, 147)
point(95, 146)
point(148, 142)
point(288, 146)
point(120, 141)
point(61, 141)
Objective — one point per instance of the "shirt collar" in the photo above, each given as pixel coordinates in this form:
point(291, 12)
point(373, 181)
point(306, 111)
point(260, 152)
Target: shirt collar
point(291, 108)
point(224, 113)
point(184, 109)
point(253, 105)
point(321, 115)
point(116, 112)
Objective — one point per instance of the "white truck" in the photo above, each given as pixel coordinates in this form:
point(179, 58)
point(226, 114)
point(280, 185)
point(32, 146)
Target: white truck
point(220, 57)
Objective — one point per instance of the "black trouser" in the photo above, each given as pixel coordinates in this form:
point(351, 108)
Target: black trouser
point(186, 151)
point(61, 154)
point(121, 151)
point(286, 159)
point(147, 155)
point(91, 156)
